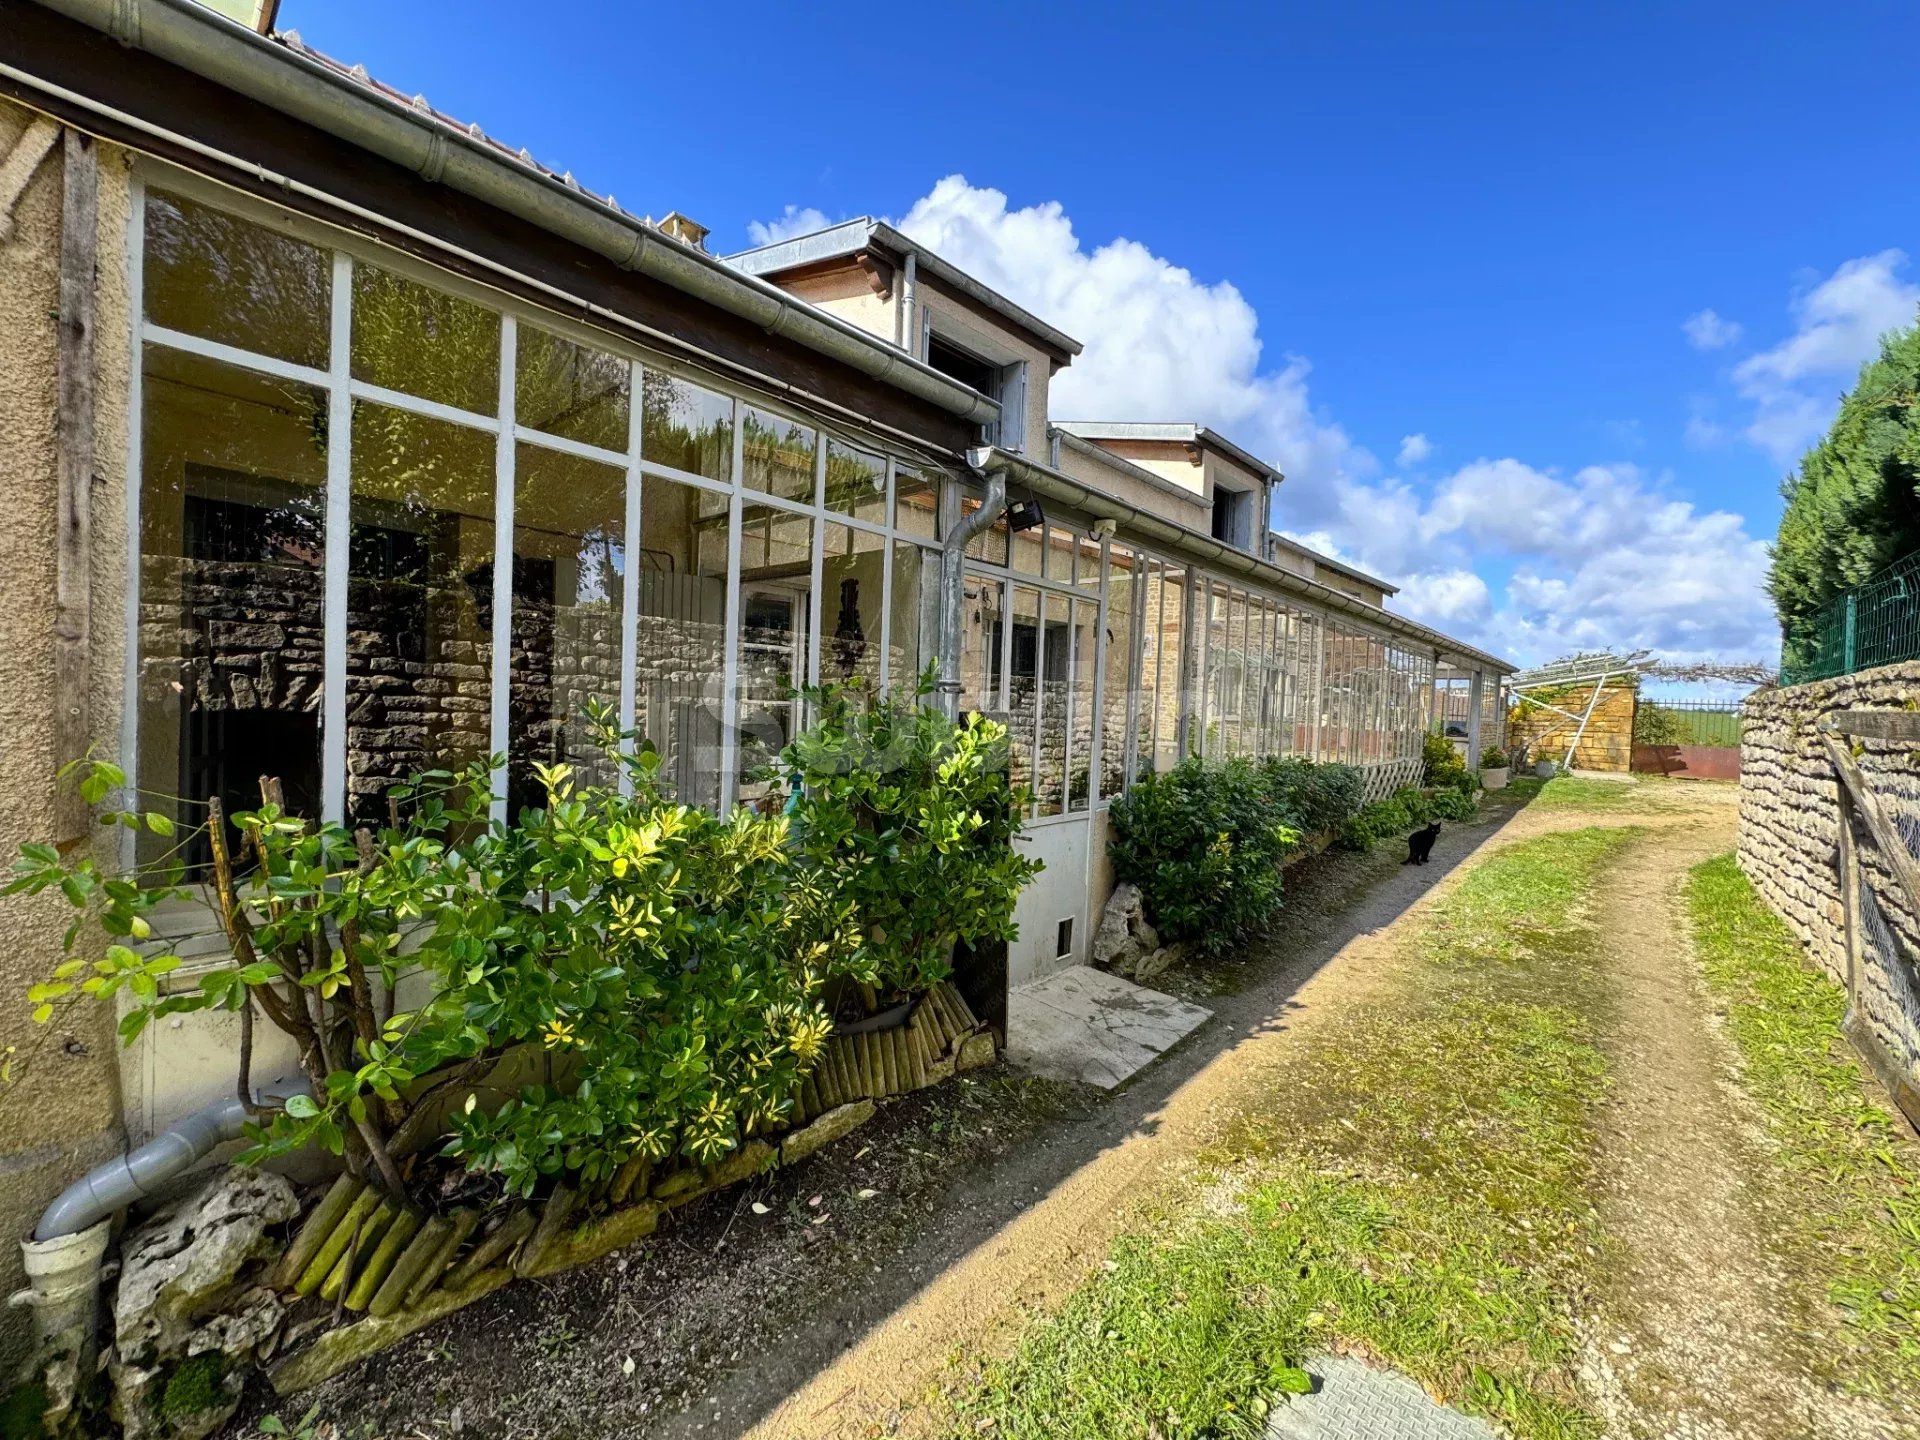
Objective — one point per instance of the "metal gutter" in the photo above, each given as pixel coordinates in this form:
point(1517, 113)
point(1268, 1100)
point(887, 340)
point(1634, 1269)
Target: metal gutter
point(1352, 572)
point(1190, 544)
point(334, 100)
point(849, 237)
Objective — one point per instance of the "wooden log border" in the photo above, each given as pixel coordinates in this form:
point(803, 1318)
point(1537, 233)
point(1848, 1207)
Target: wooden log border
point(406, 1273)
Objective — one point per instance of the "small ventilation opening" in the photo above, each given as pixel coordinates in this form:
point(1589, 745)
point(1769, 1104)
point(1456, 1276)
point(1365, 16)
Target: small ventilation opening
point(1065, 946)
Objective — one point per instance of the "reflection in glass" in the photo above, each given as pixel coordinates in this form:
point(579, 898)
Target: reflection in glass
point(421, 341)
point(232, 545)
point(852, 600)
point(680, 644)
point(856, 482)
point(1116, 694)
point(569, 572)
point(916, 616)
point(1023, 686)
point(685, 427)
point(1080, 715)
point(1055, 669)
point(570, 390)
point(979, 643)
point(916, 501)
point(776, 455)
point(776, 570)
point(217, 276)
point(990, 545)
point(419, 602)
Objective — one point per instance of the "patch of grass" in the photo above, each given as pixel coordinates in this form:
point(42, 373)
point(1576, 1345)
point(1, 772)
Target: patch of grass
point(1846, 1168)
point(1574, 792)
point(1416, 1186)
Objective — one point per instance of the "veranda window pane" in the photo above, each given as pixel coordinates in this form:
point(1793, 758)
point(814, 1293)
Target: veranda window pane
point(979, 643)
point(916, 502)
point(852, 598)
point(776, 455)
point(569, 574)
point(1116, 693)
point(856, 482)
point(776, 571)
point(419, 602)
point(222, 278)
point(231, 621)
point(1023, 684)
point(1083, 721)
point(1050, 765)
point(1027, 551)
point(571, 390)
point(685, 427)
point(421, 341)
point(989, 546)
point(916, 616)
point(680, 643)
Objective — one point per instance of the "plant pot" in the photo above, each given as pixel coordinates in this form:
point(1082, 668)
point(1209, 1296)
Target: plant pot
point(1545, 769)
point(1494, 778)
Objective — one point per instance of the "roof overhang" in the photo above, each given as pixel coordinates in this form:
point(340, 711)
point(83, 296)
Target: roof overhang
point(347, 105)
point(1324, 561)
point(1180, 432)
point(851, 238)
point(1186, 543)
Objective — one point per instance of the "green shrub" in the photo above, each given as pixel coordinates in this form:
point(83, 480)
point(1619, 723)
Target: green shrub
point(1493, 759)
point(1442, 764)
point(1403, 812)
point(669, 959)
point(1313, 799)
point(908, 819)
point(1204, 843)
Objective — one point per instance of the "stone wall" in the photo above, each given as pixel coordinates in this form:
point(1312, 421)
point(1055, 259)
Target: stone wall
point(1790, 836)
point(1608, 741)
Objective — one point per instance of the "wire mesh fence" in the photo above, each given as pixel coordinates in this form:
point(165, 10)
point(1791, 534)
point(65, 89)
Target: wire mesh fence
point(1877, 622)
point(1686, 722)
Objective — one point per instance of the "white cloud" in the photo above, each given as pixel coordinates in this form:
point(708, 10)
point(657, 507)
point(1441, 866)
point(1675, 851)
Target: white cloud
point(1707, 330)
point(1525, 561)
point(1793, 387)
point(794, 220)
point(1160, 343)
point(1446, 597)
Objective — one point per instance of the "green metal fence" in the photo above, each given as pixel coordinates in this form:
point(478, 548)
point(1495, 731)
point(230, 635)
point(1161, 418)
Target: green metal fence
point(1686, 722)
point(1877, 622)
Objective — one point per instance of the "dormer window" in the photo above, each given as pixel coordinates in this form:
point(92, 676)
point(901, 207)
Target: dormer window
point(1233, 517)
point(1004, 384)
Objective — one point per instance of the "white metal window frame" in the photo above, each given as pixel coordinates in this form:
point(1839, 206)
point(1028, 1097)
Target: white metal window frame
point(342, 390)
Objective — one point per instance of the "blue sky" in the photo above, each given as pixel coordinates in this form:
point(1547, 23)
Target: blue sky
point(1613, 264)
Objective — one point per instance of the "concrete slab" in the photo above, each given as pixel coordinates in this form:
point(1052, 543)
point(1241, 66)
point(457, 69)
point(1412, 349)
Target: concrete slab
point(1093, 1027)
point(1357, 1402)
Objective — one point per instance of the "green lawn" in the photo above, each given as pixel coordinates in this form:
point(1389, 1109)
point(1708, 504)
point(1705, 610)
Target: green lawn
point(1417, 1186)
point(1845, 1167)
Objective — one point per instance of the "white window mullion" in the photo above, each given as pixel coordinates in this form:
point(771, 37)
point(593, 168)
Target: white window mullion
point(503, 562)
point(886, 589)
point(815, 609)
point(339, 545)
point(730, 665)
point(630, 591)
point(1097, 694)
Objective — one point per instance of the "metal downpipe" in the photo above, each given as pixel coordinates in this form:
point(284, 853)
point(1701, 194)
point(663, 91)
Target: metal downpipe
point(953, 587)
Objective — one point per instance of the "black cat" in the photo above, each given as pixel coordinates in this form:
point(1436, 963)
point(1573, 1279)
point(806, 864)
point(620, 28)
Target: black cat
point(1420, 845)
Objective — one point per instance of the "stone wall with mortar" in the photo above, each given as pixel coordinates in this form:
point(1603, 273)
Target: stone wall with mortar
point(60, 1114)
point(1608, 741)
point(1790, 837)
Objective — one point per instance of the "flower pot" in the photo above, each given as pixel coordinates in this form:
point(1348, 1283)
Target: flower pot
point(1494, 777)
point(1545, 769)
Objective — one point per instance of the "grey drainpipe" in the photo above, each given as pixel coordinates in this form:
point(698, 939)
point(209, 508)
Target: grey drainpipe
point(110, 1188)
point(953, 589)
point(909, 298)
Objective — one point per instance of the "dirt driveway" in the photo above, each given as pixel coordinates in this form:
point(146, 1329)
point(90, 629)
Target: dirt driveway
point(1331, 961)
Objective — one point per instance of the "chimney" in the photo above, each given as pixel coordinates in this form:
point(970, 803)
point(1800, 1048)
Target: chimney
point(682, 228)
